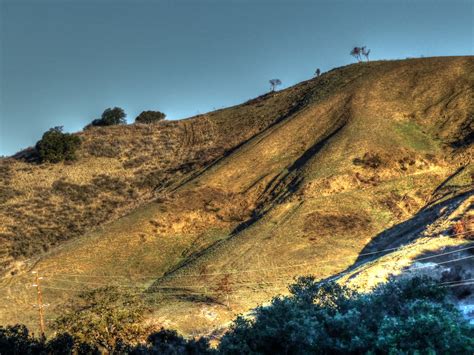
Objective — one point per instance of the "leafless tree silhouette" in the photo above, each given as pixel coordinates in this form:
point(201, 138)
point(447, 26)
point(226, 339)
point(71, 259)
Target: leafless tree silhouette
point(274, 83)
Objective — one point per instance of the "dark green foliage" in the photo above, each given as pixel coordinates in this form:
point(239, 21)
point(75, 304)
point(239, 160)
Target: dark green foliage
point(409, 316)
point(104, 317)
point(56, 146)
point(110, 117)
point(113, 116)
point(61, 344)
point(169, 342)
point(150, 117)
point(16, 340)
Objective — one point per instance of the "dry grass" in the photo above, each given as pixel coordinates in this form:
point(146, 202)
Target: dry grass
point(221, 211)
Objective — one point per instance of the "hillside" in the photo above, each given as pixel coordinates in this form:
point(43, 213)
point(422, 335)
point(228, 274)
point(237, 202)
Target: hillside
point(212, 215)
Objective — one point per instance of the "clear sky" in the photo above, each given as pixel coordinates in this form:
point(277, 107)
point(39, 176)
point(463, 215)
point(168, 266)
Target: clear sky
point(62, 62)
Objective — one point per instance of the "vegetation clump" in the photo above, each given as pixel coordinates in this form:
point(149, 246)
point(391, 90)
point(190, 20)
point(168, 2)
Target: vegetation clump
point(77, 193)
point(56, 146)
point(110, 117)
point(104, 317)
point(409, 316)
point(150, 117)
point(406, 316)
point(103, 148)
point(464, 227)
point(369, 160)
point(17, 339)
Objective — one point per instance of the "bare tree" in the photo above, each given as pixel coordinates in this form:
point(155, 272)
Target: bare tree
point(356, 53)
point(274, 83)
point(224, 288)
point(317, 73)
point(365, 52)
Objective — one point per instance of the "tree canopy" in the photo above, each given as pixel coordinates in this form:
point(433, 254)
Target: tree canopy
point(408, 316)
point(150, 117)
point(56, 146)
point(110, 117)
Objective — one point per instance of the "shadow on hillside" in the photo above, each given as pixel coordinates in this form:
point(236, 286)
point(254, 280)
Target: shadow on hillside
point(293, 184)
point(450, 266)
point(402, 233)
point(184, 294)
point(262, 98)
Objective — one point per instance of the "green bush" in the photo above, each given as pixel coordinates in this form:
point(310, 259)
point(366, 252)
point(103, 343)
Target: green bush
point(56, 146)
point(410, 316)
point(110, 117)
point(170, 342)
point(16, 339)
point(150, 117)
point(103, 317)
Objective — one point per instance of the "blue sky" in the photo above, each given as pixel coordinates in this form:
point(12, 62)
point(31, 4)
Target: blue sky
point(62, 62)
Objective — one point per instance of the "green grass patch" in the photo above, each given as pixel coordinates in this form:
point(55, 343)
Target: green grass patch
point(413, 135)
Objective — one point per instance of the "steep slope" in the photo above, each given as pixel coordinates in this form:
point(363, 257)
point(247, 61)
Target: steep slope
point(245, 199)
point(118, 168)
point(431, 243)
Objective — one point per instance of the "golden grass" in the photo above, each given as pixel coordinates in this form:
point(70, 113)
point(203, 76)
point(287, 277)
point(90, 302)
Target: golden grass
point(258, 193)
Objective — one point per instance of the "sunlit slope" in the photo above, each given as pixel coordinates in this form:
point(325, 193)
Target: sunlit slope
point(335, 161)
point(119, 168)
point(358, 170)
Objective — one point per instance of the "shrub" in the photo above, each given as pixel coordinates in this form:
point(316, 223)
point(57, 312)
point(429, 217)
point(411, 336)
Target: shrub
point(170, 342)
point(110, 117)
point(463, 228)
point(109, 183)
point(369, 160)
point(104, 317)
point(16, 339)
point(407, 316)
point(104, 149)
point(152, 179)
point(150, 117)
point(56, 146)
point(77, 193)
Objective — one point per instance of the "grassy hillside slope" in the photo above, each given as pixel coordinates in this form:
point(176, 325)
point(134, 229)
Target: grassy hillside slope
point(118, 168)
point(209, 216)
